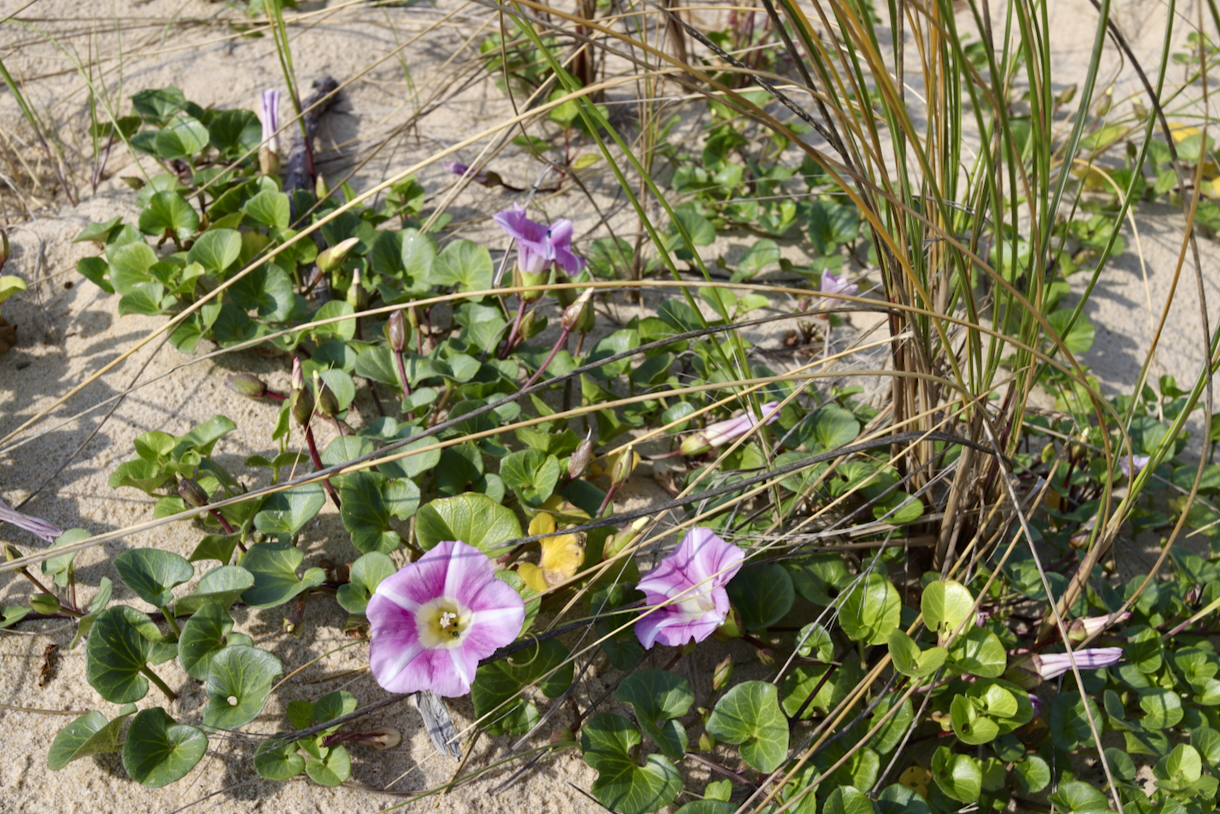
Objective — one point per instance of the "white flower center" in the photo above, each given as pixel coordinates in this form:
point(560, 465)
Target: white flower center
point(697, 603)
point(442, 623)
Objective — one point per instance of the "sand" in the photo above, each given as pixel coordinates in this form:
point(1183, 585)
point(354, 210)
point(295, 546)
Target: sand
point(68, 330)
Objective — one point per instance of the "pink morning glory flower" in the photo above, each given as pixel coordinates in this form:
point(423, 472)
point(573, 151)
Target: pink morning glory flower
point(835, 284)
point(1132, 465)
point(458, 168)
point(538, 245)
point(39, 528)
point(685, 593)
point(722, 432)
point(436, 618)
point(1032, 669)
point(269, 116)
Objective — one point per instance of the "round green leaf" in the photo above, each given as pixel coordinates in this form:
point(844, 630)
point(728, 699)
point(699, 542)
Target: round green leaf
point(90, 734)
point(970, 725)
point(1068, 723)
point(898, 799)
point(159, 751)
point(274, 567)
point(239, 682)
point(221, 586)
point(183, 137)
point(151, 573)
point(979, 652)
point(958, 776)
point(368, 500)
point(332, 770)
point(498, 686)
point(819, 578)
point(472, 518)
point(285, 513)
point(749, 715)
point(532, 474)
point(366, 574)
point(215, 250)
point(847, 800)
point(269, 208)
point(830, 427)
point(203, 636)
point(910, 660)
point(872, 610)
point(168, 212)
point(116, 653)
point(622, 784)
point(463, 263)
point(763, 594)
point(946, 605)
point(658, 698)
point(235, 132)
point(279, 763)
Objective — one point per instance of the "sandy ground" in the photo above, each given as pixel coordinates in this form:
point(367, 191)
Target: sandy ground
point(67, 330)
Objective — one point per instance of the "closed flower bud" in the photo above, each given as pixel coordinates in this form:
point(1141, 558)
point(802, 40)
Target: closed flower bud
point(396, 332)
point(247, 384)
point(192, 493)
point(532, 324)
point(574, 315)
point(722, 432)
point(580, 458)
point(328, 404)
point(1081, 629)
point(521, 278)
point(623, 466)
point(722, 672)
point(330, 259)
point(300, 402)
point(320, 188)
point(1031, 670)
point(354, 291)
point(618, 541)
point(731, 628)
point(3, 247)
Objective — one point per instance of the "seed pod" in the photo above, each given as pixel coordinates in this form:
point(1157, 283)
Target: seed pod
point(247, 384)
point(575, 316)
point(382, 738)
point(328, 403)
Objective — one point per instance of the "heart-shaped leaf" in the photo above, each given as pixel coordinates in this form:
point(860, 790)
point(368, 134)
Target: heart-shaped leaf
point(763, 594)
point(910, 660)
point(658, 698)
point(979, 652)
point(498, 685)
point(168, 212)
point(90, 734)
point(871, 610)
point(945, 605)
point(368, 500)
point(181, 138)
point(235, 132)
point(285, 513)
point(269, 208)
point(274, 566)
point(152, 573)
point(472, 518)
point(958, 776)
point(221, 586)
point(332, 770)
point(117, 653)
point(366, 574)
point(215, 250)
point(820, 578)
point(203, 636)
point(749, 715)
point(463, 263)
point(622, 784)
point(159, 751)
point(532, 474)
point(279, 762)
point(239, 683)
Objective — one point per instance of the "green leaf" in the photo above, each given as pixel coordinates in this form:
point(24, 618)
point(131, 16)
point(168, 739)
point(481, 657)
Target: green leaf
point(333, 770)
point(235, 132)
point(946, 605)
point(366, 574)
point(699, 228)
point(829, 427)
point(216, 250)
point(152, 573)
point(659, 697)
point(763, 253)
point(622, 785)
point(847, 800)
point(831, 225)
point(159, 751)
point(168, 212)
point(1068, 723)
point(221, 586)
point(269, 208)
point(1162, 707)
point(203, 636)
point(129, 265)
point(159, 104)
point(96, 270)
point(763, 594)
point(898, 799)
point(183, 137)
point(116, 653)
point(979, 652)
point(279, 762)
point(872, 610)
point(286, 513)
point(1033, 774)
point(820, 578)
point(749, 715)
point(465, 264)
point(90, 734)
point(267, 290)
point(368, 500)
point(274, 566)
point(1080, 339)
point(532, 474)
point(239, 683)
point(472, 518)
point(958, 776)
point(910, 660)
point(498, 686)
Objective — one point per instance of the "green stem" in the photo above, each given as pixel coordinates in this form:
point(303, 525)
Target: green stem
point(173, 623)
point(161, 685)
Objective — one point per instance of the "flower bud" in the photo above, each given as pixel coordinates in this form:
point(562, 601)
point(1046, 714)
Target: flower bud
point(731, 628)
point(1031, 670)
point(624, 464)
point(532, 324)
point(354, 291)
point(618, 541)
point(521, 278)
point(45, 603)
point(192, 493)
point(1081, 629)
point(300, 402)
point(396, 332)
point(328, 404)
point(722, 672)
point(320, 188)
point(268, 161)
point(330, 259)
point(722, 432)
point(247, 384)
point(3, 247)
point(382, 738)
point(580, 458)
point(574, 315)
point(479, 177)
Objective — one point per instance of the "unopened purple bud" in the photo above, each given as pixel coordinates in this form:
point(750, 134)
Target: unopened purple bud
point(300, 402)
point(1081, 629)
point(1132, 465)
point(572, 315)
point(723, 432)
point(328, 404)
point(269, 117)
point(34, 525)
point(396, 332)
point(458, 168)
point(192, 493)
point(1036, 703)
point(1036, 668)
point(580, 458)
point(247, 384)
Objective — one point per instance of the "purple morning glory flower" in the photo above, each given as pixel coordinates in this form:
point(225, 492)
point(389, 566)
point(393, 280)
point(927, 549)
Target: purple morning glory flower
point(722, 432)
point(1032, 669)
point(436, 618)
point(835, 284)
point(1132, 465)
point(269, 115)
point(538, 245)
point(39, 528)
point(458, 168)
point(685, 593)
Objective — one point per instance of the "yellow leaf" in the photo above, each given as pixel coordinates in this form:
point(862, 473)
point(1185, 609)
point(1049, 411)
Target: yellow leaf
point(532, 575)
point(565, 510)
point(542, 523)
point(916, 778)
point(586, 160)
point(562, 556)
point(1181, 132)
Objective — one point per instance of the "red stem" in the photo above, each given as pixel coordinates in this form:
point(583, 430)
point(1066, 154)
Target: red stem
point(317, 462)
point(563, 337)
